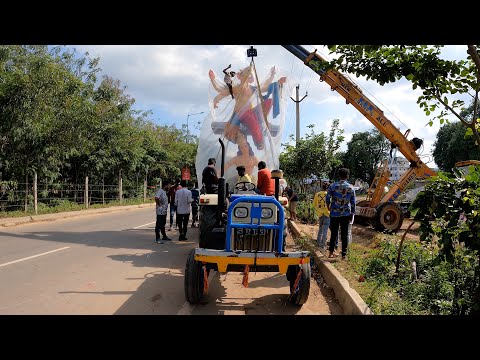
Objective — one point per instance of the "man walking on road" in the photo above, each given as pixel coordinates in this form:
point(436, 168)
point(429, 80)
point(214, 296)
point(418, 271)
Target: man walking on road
point(171, 200)
point(183, 199)
point(161, 201)
point(195, 200)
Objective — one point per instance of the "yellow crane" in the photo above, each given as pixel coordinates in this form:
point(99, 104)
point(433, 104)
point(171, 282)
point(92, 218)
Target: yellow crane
point(381, 209)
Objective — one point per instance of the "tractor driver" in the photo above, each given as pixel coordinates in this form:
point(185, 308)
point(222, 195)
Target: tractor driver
point(242, 177)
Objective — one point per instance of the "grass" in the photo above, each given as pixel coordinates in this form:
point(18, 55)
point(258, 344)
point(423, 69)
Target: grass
point(64, 205)
point(381, 298)
point(350, 271)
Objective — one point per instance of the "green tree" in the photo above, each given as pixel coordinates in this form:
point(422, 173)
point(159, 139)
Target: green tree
point(41, 103)
point(57, 120)
point(440, 79)
point(451, 146)
point(365, 151)
point(449, 214)
point(312, 156)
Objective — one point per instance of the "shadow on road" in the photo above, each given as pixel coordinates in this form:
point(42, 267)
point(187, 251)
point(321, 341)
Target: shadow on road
point(158, 294)
point(161, 291)
point(154, 287)
point(142, 238)
point(228, 297)
point(274, 304)
point(275, 281)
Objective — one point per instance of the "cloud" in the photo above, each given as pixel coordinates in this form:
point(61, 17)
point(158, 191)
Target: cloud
point(173, 79)
point(176, 76)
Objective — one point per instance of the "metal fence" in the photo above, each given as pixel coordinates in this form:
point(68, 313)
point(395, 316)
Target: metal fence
point(31, 196)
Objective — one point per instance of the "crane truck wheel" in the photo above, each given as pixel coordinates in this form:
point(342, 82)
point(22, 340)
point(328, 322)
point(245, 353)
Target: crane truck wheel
point(299, 297)
point(389, 217)
point(207, 221)
point(193, 283)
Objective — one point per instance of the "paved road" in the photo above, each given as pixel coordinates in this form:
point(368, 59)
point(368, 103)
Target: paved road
point(109, 264)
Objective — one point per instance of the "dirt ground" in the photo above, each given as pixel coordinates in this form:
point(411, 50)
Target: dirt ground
point(362, 234)
point(322, 299)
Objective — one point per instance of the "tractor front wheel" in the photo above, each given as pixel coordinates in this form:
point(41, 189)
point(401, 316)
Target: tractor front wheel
point(299, 293)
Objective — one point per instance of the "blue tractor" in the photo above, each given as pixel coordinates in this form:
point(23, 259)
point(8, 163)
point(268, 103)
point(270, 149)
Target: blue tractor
point(242, 231)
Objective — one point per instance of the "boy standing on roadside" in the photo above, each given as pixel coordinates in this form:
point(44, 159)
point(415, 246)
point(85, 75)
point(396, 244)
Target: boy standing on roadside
point(320, 205)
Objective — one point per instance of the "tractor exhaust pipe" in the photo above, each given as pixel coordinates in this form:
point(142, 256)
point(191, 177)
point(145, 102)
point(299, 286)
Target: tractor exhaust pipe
point(221, 186)
point(222, 164)
point(277, 175)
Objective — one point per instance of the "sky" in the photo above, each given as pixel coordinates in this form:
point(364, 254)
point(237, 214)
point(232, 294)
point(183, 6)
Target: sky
point(172, 81)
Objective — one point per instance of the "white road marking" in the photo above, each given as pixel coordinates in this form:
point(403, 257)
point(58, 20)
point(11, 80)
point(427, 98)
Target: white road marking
point(188, 308)
point(34, 256)
point(137, 227)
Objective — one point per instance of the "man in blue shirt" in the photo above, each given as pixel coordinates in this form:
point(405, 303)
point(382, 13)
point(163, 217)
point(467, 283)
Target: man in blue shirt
point(341, 204)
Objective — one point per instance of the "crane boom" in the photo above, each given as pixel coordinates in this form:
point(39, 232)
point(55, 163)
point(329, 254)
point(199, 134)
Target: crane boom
point(353, 95)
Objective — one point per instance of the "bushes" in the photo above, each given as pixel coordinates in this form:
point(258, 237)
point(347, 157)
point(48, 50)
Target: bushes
point(306, 212)
point(446, 278)
point(449, 214)
point(434, 286)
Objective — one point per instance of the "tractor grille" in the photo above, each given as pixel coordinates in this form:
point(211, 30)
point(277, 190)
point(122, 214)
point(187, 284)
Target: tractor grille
point(254, 240)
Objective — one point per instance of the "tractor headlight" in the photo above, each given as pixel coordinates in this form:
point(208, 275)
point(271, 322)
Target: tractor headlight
point(241, 212)
point(267, 213)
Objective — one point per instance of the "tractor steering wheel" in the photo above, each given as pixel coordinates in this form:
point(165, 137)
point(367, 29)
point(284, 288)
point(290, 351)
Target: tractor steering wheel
point(244, 186)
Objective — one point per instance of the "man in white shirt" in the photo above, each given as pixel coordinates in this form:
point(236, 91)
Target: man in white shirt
point(183, 199)
point(161, 201)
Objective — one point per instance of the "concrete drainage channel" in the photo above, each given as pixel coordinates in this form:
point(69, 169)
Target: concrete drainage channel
point(348, 298)
point(68, 214)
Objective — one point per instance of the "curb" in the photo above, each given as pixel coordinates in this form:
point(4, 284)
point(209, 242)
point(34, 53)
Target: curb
point(348, 298)
point(7, 222)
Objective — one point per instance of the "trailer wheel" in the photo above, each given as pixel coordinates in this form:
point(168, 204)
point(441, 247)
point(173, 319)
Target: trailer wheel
point(207, 221)
point(193, 282)
point(301, 296)
point(389, 217)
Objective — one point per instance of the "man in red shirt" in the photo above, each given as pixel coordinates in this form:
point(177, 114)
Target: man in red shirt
point(265, 184)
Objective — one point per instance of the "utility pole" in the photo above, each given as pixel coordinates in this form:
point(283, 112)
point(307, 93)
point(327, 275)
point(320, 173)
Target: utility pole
point(186, 140)
point(298, 111)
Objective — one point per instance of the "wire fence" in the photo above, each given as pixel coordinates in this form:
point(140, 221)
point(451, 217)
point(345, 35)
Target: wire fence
point(16, 196)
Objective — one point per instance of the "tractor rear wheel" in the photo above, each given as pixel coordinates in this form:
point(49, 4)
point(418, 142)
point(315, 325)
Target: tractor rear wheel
point(193, 283)
point(207, 221)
